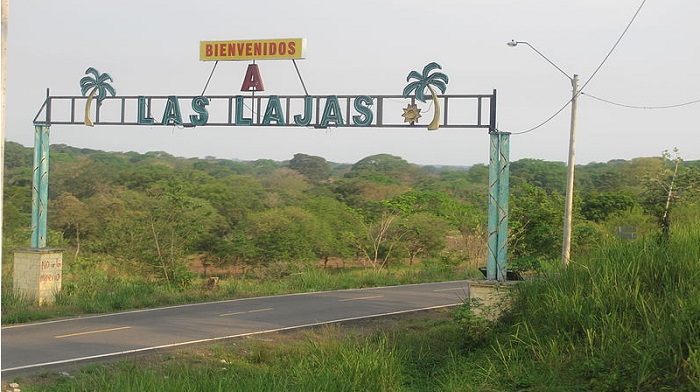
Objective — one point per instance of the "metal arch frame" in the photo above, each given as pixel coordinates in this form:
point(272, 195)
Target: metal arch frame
point(498, 162)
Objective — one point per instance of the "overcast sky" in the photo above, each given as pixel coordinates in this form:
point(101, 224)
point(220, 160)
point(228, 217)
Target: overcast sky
point(368, 47)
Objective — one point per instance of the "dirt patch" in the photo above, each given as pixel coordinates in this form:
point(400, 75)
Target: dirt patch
point(204, 268)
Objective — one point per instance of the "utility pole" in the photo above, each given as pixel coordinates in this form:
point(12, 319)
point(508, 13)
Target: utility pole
point(566, 246)
point(569, 203)
point(3, 58)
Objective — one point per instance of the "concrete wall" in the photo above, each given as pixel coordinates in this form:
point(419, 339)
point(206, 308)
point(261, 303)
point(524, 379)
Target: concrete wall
point(38, 273)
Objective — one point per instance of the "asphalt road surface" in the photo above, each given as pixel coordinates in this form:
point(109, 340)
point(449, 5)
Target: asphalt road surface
point(30, 347)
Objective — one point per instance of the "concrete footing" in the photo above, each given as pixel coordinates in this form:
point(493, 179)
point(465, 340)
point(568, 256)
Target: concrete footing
point(38, 273)
point(490, 298)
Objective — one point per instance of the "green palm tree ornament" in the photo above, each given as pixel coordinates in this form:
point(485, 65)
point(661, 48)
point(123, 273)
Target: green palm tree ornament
point(97, 84)
point(428, 80)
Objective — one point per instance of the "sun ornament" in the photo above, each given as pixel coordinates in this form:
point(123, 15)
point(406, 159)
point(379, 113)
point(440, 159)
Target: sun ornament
point(411, 114)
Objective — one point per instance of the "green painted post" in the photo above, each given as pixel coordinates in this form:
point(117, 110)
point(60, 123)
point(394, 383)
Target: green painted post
point(492, 250)
point(40, 185)
point(503, 193)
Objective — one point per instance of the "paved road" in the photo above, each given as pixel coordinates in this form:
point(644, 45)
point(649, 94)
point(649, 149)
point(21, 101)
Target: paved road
point(49, 344)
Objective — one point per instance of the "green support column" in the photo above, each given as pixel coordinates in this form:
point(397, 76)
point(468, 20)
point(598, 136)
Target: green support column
point(40, 185)
point(499, 172)
point(492, 248)
point(503, 194)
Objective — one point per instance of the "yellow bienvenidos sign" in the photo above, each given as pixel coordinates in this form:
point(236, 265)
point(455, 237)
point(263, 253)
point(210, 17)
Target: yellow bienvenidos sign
point(260, 49)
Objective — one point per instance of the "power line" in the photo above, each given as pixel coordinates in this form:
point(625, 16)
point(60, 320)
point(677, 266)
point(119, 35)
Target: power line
point(614, 46)
point(545, 121)
point(642, 107)
point(580, 91)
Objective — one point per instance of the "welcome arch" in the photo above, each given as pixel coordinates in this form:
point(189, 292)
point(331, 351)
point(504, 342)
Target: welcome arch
point(464, 111)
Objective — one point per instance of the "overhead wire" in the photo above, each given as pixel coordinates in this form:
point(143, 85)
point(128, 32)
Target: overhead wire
point(641, 107)
point(580, 90)
point(614, 46)
point(544, 122)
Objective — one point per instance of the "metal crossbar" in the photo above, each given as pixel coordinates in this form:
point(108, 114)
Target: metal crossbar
point(458, 111)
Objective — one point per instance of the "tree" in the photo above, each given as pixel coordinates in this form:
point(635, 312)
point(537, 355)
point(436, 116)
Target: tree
point(97, 84)
point(465, 185)
point(383, 169)
point(234, 197)
point(601, 177)
point(264, 166)
point(221, 168)
point(666, 186)
point(535, 220)
point(16, 209)
point(155, 232)
point(285, 234)
point(71, 216)
point(423, 234)
point(378, 240)
point(284, 186)
point(17, 156)
point(463, 216)
point(341, 223)
point(640, 168)
point(599, 207)
point(314, 168)
point(84, 176)
point(142, 178)
point(424, 81)
point(362, 194)
point(550, 176)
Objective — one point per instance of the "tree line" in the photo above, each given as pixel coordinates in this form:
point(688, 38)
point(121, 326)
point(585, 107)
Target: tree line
point(157, 212)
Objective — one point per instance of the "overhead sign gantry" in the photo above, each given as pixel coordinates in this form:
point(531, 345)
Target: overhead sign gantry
point(406, 110)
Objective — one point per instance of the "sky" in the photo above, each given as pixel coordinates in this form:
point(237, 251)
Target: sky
point(367, 47)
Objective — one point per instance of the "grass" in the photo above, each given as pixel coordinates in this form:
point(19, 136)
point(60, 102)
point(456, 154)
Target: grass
point(365, 356)
point(628, 318)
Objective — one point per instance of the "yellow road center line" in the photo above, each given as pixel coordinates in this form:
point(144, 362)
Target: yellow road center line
point(246, 311)
point(260, 310)
point(360, 298)
point(90, 332)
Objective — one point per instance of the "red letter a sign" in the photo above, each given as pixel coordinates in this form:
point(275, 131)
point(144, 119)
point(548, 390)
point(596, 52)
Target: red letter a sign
point(252, 81)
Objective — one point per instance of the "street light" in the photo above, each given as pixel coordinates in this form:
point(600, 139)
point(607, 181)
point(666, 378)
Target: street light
point(566, 246)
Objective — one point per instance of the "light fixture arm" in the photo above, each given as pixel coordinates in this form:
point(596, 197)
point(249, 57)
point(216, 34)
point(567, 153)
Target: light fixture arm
point(514, 43)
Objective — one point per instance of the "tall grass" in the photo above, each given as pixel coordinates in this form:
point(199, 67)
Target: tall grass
point(627, 318)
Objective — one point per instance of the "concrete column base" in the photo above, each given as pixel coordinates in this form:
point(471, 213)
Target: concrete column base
point(490, 298)
point(38, 273)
